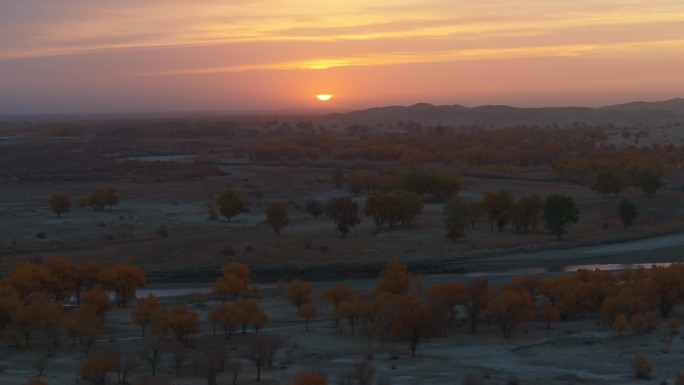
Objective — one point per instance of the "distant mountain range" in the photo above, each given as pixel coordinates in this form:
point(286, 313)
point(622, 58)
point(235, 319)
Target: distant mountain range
point(653, 114)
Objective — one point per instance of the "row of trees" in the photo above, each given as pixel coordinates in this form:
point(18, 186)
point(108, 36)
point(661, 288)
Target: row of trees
point(614, 182)
point(61, 203)
point(576, 152)
point(397, 309)
point(500, 208)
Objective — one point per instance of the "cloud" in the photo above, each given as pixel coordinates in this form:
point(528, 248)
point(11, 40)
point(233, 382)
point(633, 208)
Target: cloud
point(72, 26)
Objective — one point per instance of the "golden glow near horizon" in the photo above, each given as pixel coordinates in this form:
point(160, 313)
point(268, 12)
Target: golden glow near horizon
point(324, 97)
point(173, 52)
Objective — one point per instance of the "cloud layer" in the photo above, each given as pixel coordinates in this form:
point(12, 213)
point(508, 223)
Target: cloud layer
point(251, 54)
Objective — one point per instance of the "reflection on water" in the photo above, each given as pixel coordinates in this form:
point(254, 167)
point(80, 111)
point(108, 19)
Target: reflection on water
point(613, 266)
point(141, 293)
point(526, 271)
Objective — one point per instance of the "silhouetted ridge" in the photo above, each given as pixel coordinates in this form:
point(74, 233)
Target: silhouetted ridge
point(629, 114)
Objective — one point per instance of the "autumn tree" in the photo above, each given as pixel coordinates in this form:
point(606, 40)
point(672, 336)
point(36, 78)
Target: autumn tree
point(456, 221)
point(476, 293)
point(30, 316)
point(276, 216)
point(497, 206)
point(510, 309)
point(628, 212)
point(310, 378)
point(182, 322)
point(412, 320)
point(234, 281)
point(98, 299)
point(621, 324)
point(230, 204)
point(394, 278)
point(648, 181)
point(299, 292)
point(550, 314)
point(225, 315)
point(103, 197)
point(97, 368)
point(352, 309)
point(145, 311)
point(123, 279)
point(28, 277)
point(307, 311)
point(64, 276)
point(642, 367)
point(60, 203)
point(560, 213)
point(344, 212)
point(84, 324)
point(609, 182)
point(248, 312)
point(666, 286)
point(87, 277)
point(336, 294)
point(444, 297)
point(9, 303)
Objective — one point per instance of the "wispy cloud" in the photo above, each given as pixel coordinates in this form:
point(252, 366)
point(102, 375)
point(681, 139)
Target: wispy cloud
point(398, 58)
point(131, 24)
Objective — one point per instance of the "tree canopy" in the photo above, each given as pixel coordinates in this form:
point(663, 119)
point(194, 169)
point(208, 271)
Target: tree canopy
point(560, 213)
point(344, 212)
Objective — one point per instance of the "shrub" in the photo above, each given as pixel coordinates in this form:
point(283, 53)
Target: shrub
point(227, 251)
point(642, 367)
point(163, 232)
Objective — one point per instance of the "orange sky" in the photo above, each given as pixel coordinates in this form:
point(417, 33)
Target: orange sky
point(168, 55)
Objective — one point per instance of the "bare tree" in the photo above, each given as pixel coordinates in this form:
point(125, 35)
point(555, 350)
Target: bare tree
point(359, 373)
point(150, 352)
point(262, 349)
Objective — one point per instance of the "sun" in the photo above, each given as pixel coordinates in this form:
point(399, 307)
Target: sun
point(324, 97)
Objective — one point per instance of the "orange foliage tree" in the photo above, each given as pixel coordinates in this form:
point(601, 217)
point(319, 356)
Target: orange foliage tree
point(443, 297)
point(97, 368)
point(510, 309)
point(146, 311)
point(182, 322)
point(98, 299)
point(412, 320)
point(123, 279)
point(394, 278)
point(310, 378)
point(234, 281)
point(299, 292)
point(307, 311)
point(336, 294)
